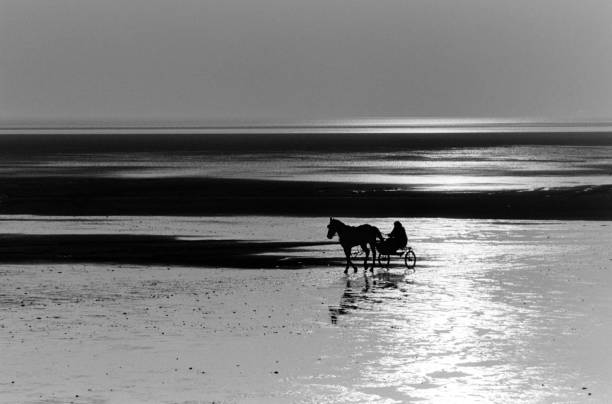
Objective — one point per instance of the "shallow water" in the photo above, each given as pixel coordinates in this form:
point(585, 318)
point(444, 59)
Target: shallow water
point(451, 169)
point(497, 311)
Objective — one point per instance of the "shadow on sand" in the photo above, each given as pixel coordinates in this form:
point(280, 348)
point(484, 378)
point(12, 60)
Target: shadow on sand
point(156, 250)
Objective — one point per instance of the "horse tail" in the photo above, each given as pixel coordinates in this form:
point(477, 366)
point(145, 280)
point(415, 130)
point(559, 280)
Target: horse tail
point(378, 234)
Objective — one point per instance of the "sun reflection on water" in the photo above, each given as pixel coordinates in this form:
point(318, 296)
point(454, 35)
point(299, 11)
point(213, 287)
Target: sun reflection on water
point(450, 169)
point(472, 325)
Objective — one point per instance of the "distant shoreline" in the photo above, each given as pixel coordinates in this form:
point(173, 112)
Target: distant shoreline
point(59, 142)
point(370, 125)
point(74, 196)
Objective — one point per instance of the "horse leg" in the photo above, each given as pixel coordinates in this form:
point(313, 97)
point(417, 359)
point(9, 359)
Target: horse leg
point(373, 247)
point(348, 260)
point(365, 260)
point(347, 252)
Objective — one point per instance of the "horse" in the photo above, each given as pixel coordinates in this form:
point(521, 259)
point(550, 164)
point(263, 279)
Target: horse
point(351, 236)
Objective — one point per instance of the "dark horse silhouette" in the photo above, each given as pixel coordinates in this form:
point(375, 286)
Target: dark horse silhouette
point(350, 236)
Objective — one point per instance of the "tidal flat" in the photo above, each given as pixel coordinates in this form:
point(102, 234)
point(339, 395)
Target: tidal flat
point(497, 311)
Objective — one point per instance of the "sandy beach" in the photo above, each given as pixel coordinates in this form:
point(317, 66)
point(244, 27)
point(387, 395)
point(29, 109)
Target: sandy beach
point(497, 311)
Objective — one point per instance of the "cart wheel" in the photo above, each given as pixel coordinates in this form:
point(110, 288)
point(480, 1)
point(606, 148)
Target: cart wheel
point(383, 260)
point(410, 259)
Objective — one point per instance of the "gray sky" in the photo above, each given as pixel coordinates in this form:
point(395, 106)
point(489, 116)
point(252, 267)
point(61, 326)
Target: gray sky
point(282, 61)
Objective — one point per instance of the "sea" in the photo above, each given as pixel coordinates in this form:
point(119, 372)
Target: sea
point(407, 163)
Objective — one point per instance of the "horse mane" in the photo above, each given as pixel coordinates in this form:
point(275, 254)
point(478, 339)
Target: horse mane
point(338, 222)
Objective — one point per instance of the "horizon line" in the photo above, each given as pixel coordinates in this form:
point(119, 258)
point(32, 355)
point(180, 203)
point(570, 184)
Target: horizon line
point(349, 126)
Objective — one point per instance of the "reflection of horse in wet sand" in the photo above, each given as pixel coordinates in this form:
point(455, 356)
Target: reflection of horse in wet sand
point(348, 300)
point(355, 297)
point(351, 236)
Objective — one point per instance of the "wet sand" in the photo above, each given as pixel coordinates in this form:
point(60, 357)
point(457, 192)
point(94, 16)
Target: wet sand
point(95, 195)
point(497, 311)
point(155, 250)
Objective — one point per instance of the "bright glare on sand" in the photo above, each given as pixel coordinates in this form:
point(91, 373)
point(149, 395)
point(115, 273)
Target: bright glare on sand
point(497, 311)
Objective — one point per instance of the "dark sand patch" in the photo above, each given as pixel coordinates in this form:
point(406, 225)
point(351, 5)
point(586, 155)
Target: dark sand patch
point(155, 250)
point(213, 196)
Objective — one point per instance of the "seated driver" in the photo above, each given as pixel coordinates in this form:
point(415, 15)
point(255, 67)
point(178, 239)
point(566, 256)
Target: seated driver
point(397, 239)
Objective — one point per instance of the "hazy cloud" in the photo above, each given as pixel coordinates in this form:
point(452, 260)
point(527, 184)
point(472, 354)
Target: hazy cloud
point(267, 61)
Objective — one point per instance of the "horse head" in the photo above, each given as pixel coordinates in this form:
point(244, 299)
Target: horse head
point(331, 228)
